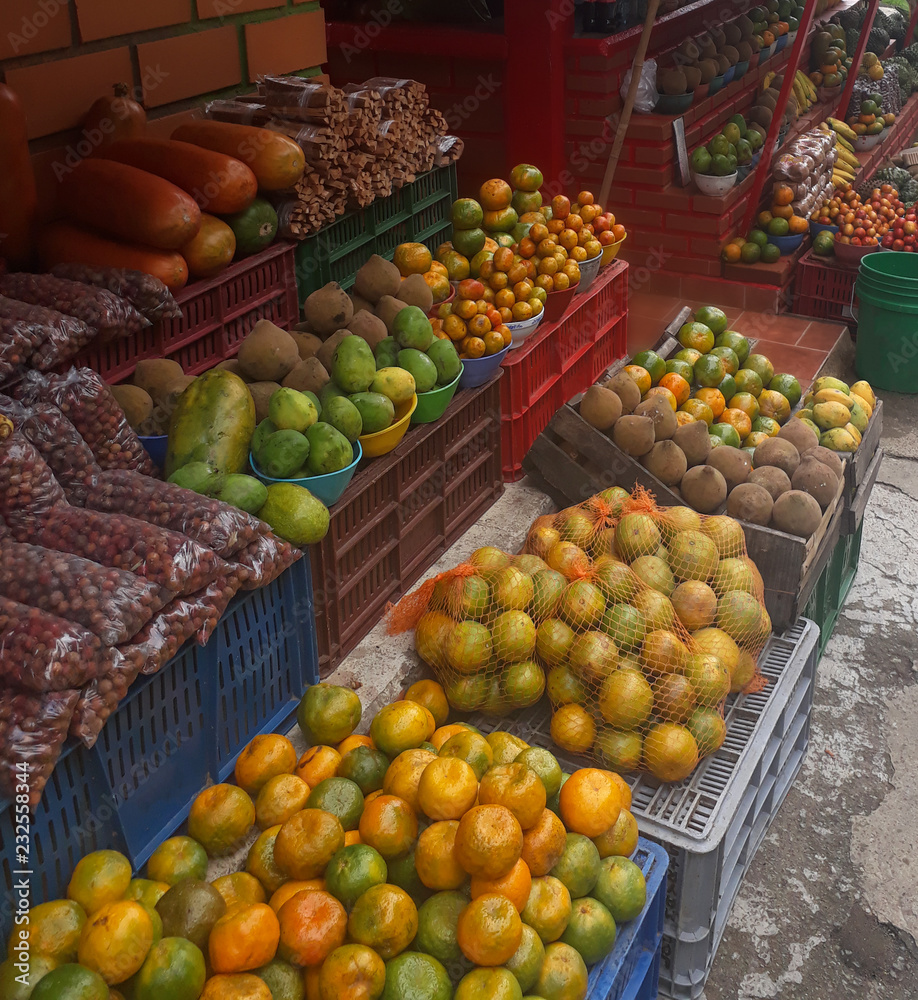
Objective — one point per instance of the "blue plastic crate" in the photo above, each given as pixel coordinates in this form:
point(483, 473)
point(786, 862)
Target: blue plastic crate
point(632, 970)
point(174, 733)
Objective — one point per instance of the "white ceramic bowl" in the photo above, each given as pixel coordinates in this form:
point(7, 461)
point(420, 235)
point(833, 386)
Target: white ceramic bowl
point(715, 187)
point(523, 329)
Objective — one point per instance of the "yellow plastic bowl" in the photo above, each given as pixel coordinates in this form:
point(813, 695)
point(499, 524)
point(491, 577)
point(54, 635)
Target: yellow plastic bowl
point(382, 442)
point(610, 252)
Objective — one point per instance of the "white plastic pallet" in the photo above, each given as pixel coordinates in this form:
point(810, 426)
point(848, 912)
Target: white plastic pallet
point(712, 823)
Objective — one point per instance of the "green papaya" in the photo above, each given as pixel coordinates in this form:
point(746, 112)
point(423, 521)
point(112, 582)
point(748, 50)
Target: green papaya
point(376, 411)
point(283, 453)
point(331, 390)
point(412, 329)
point(292, 410)
point(329, 450)
point(213, 422)
point(315, 401)
point(387, 353)
point(353, 365)
point(344, 417)
point(244, 492)
point(420, 366)
point(262, 432)
point(444, 355)
point(294, 513)
point(198, 476)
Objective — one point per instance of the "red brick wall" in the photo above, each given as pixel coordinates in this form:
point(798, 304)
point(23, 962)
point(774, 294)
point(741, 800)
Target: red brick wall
point(60, 56)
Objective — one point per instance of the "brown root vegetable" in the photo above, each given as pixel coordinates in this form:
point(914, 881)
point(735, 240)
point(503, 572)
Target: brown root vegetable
point(624, 386)
point(749, 502)
point(803, 438)
point(662, 415)
point(830, 459)
point(634, 435)
point(136, 403)
point(694, 441)
point(816, 479)
point(703, 488)
point(268, 353)
point(797, 513)
point(666, 461)
point(778, 452)
point(308, 376)
point(261, 395)
point(378, 277)
point(328, 309)
point(775, 480)
point(732, 463)
point(600, 407)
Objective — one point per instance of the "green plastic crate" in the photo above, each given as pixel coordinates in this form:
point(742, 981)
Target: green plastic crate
point(831, 590)
point(418, 212)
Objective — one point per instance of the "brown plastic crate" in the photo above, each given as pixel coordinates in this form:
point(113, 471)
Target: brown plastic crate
point(400, 513)
point(216, 316)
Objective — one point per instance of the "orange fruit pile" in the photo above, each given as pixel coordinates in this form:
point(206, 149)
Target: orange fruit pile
point(484, 893)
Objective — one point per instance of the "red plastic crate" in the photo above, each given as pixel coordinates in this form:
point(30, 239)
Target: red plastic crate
point(580, 351)
point(530, 369)
point(823, 288)
point(216, 316)
point(400, 513)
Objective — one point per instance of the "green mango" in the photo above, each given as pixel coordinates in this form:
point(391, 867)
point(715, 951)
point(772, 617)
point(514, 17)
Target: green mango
point(353, 365)
point(329, 449)
point(420, 366)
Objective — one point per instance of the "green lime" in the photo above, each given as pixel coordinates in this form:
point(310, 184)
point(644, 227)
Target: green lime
point(750, 253)
point(621, 888)
point(545, 765)
point(710, 370)
point(341, 797)
point(719, 145)
point(729, 358)
point(683, 368)
point(652, 362)
point(761, 366)
point(778, 227)
point(726, 433)
point(713, 318)
point(757, 236)
point(591, 929)
point(727, 386)
point(353, 870)
point(701, 161)
point(788, 386)
point(578, 866)
point(416, 976)
point(438, 918)
point(767, 425)
point(748, 381)
point(688, 354)
point(770, 254)
point(366, 766)
point(526, 961)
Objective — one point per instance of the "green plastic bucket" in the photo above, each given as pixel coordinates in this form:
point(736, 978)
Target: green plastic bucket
point(887, 331)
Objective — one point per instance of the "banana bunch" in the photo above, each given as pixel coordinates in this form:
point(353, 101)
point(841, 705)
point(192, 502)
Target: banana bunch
point(842, 129)
point(804, 91)
point(846, 163)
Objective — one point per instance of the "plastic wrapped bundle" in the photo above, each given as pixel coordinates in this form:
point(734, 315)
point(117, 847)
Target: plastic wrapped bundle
point(146, 293)
point(28, 489)
point(18, 341)
point(265, 559)
point(41, 652)
point(110, 603)
point(213, 601)
point(643, 619)
point(217, 525)
point(100, 698)
point(62, 336)
point(33, 728)
point(59, 443)
point(157, 554)
point(89, 405)
point(107, 314)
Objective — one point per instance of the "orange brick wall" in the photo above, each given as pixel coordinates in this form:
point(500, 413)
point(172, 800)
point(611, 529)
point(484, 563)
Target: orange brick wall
point(60, 55)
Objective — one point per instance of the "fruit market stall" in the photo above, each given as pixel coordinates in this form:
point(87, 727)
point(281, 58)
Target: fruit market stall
point(732, 447)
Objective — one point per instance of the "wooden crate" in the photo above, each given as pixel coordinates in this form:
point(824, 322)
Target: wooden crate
point(575, 461)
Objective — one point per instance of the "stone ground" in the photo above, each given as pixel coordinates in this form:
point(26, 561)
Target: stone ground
point(829, 907)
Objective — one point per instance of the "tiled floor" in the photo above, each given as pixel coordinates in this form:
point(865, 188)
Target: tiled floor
point(795, 344)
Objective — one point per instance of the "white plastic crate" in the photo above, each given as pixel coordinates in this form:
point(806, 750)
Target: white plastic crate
point(712, 823)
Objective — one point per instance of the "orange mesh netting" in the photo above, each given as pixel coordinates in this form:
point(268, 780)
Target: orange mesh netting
point(638, 621)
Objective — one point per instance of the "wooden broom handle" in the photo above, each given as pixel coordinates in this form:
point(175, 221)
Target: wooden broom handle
point(636, 67)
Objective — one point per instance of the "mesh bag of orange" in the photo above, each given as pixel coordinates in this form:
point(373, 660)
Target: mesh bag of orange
point(657, 614)
point(638, 620)
point(475, 626)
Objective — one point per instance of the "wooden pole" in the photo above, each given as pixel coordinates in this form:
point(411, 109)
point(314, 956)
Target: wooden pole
point(841, 110)
point(764, 166)
point(636, 67)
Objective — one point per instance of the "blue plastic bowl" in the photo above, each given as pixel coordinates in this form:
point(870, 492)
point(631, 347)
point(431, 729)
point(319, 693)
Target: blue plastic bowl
point(787, 244)
point(728, 73)
point(156, 448)
point(780, 42)
point(477, 371)
point(740, 69)
point(715, 85)
point(327, 488)
point(821, 227)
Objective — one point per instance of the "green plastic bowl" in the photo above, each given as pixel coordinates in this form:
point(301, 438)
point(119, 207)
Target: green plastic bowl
point(433, 403)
